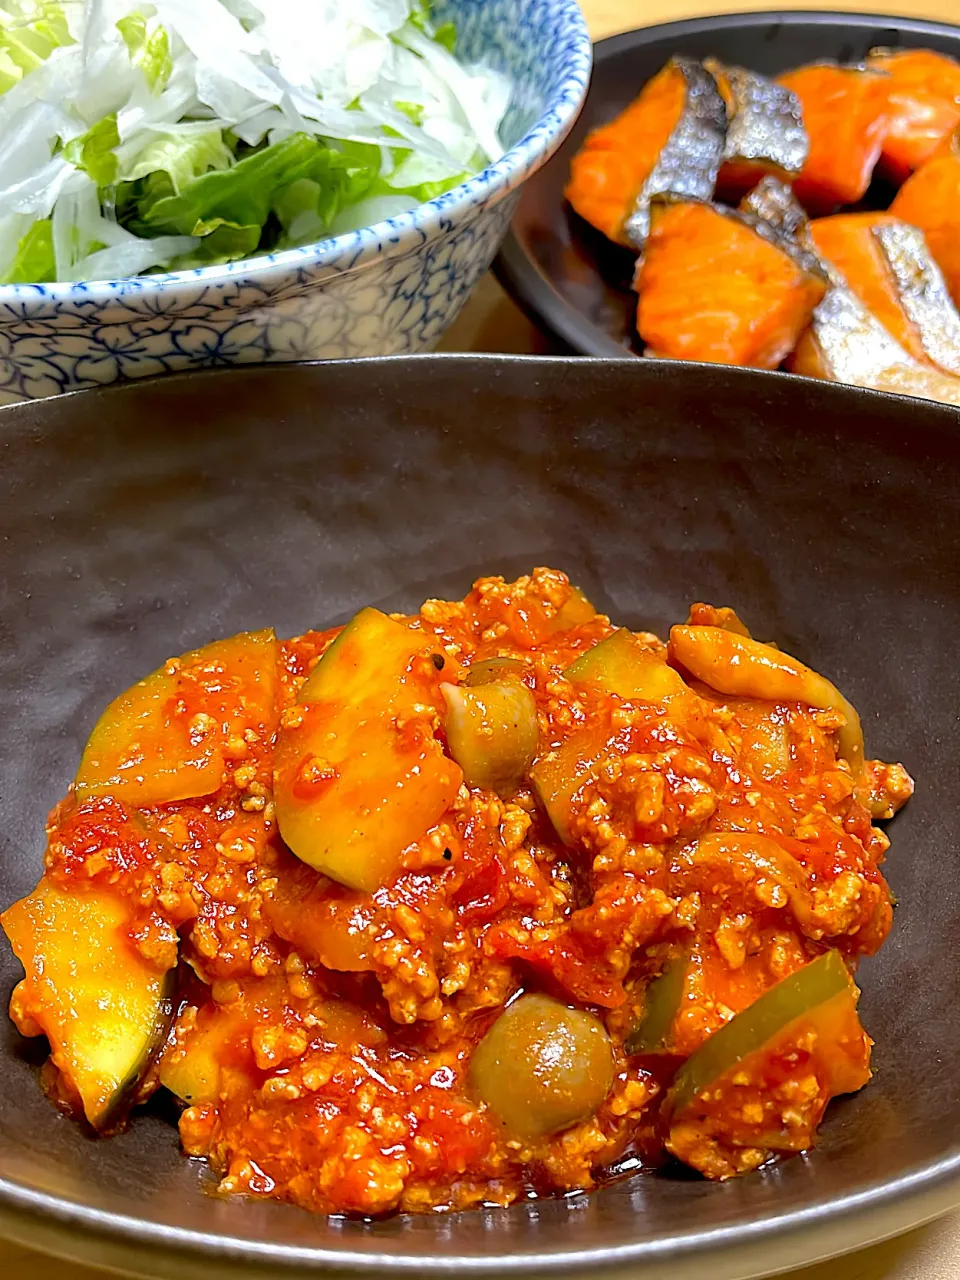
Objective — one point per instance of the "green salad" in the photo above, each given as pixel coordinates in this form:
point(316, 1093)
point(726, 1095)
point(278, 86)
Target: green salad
point(185, 133)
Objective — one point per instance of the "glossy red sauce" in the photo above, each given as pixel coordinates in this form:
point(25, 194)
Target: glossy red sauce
point(343, 1022)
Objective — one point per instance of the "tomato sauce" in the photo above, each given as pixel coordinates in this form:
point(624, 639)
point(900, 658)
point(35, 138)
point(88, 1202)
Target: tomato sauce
point(334, 1027)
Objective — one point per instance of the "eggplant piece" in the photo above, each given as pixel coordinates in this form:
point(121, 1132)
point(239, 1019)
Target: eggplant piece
point(744, 668)
point(559, 775)
point(104, 1009)
point(723, 286)
point(492, 732)
point(930, 200)
point(542, 1067)
point(765, 130)
point(773, 202)
point(577, 610)
point(801, 1040)
point(359, 774)
point(764, 743)
point(795, 997)
point(623, 665)
point(845, 114)
point(488, 670)
point(192, 1073)
point(845, 343)
point(669, 139)
point(146, 748)
point(923, 95)
point(191, 1067)
point(727, 860)
point(701, 614)
point(664, 997)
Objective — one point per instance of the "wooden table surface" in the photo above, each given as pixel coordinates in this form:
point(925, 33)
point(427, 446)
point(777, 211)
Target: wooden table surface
point(491, 322)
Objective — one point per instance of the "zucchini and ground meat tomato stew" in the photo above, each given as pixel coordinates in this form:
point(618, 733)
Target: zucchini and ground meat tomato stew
point(437, 911)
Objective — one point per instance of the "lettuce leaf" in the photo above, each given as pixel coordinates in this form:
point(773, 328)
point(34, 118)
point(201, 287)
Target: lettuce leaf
point(222, 241)
point(299, 181)
point(424, 191)
point(341, 176)
point(242, 194)
point(446, 35)
point(29, 33)
point(303, 211)
point(421, 16)
point(149, 50)
point(420, 192)
point(181, 157)
point(34, 262)
point(93, 151)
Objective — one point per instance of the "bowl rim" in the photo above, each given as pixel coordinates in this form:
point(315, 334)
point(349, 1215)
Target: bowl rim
point(878, 1209)
point(521, 276)
point(391, 236)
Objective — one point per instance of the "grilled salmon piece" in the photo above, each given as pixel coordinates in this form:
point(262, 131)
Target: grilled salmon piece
point(845, 343)
point(924, 106)
point(848, 244)
point(718, 285)
point(889, 267)
point(845, 114)
point(670, 138)
point(930, 200)
point(773, 201)
point(765, 131)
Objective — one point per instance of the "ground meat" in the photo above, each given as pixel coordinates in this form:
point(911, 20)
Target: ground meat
point(329, 1031)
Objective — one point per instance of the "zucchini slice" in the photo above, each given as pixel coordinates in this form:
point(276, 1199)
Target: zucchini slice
point(361, 776)
point(162, 740)
point(105, 1011)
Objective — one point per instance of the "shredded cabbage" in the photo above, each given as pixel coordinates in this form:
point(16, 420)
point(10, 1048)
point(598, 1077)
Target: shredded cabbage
point(180, 133)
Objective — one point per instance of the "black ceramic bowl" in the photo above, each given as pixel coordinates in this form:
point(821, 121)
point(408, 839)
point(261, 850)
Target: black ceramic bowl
point(571, 279)
point(141, 521)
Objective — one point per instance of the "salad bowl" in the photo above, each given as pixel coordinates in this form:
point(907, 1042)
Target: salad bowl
point(390, 288)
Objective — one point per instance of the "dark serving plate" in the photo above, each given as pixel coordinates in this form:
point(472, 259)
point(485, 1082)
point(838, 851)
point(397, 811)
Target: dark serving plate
point(568, 277)
point(140, 521)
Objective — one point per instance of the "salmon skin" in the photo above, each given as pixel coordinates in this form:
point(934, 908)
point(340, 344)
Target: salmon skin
point(923, 292)
point(887, 264)
point(774, 203)
point(845, 343)
point(690, 161)
point(852, 256)
point(924, 106)
point(721, 286)
point(930, 200)
point(765, 130)
point(669, 138)
point(616, 159)
point(845, 113)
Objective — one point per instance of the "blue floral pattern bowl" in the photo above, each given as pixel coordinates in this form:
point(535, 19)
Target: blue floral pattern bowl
point(393, 288)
